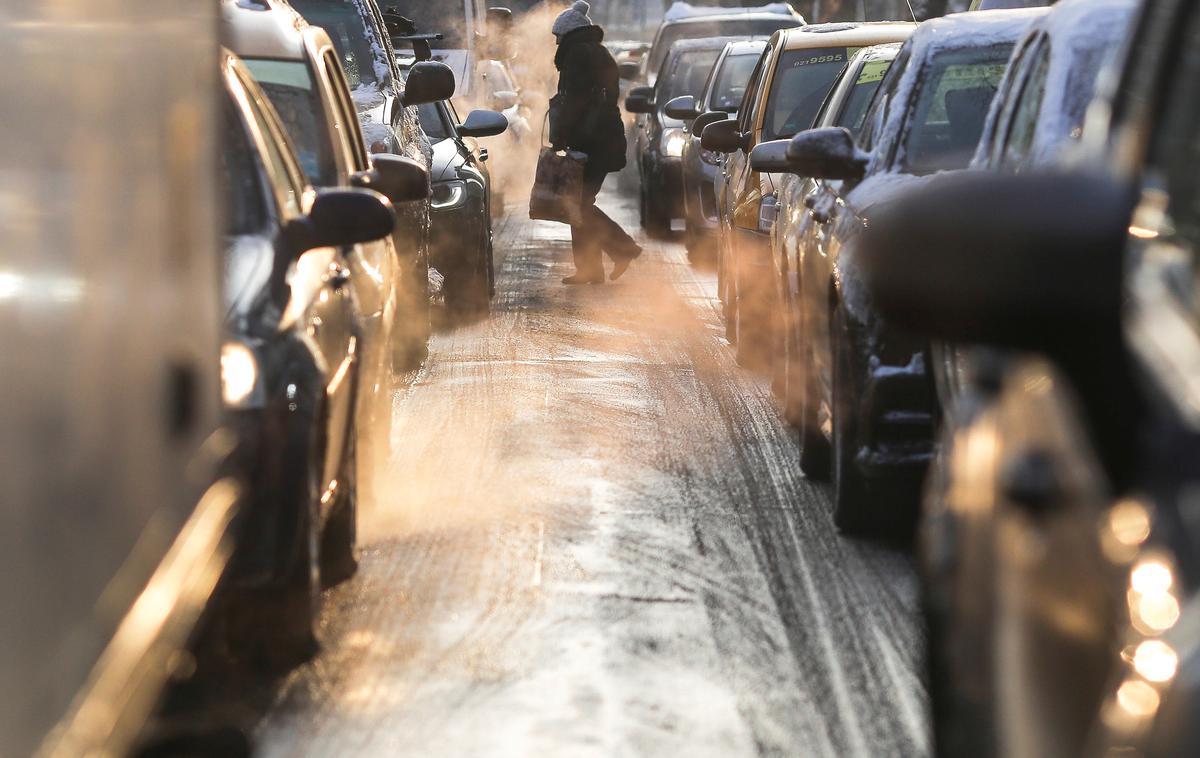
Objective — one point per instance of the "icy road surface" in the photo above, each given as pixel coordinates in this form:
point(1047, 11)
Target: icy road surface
point(587, 534)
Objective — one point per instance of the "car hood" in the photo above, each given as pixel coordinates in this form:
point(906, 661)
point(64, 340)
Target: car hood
point(446, 160)
point(247, 273)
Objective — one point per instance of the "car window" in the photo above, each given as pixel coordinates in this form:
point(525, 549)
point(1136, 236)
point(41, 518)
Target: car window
point(344, 109)
point(432, 122)
point(345, 25)
point(1022, 129)
point(744, 114)
point(802, 80)
point(241, 187)
point(730, 27)
point(282, 169)
point(685, 75)
point(293, 92)
point(878, 106)
point(866, 84)
point(730, 86)
point(952, 103)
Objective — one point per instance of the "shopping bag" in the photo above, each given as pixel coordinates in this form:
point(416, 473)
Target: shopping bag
point(557, 193)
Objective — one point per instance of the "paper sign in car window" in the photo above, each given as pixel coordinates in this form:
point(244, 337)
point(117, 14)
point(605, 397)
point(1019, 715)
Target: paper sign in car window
point(872, 71)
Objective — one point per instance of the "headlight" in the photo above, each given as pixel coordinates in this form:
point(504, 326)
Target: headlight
point(239, 373)
point(672, 142)
point(768, 209)
point(448, 194)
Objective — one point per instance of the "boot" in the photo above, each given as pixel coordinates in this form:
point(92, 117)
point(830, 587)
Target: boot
point(581, 278)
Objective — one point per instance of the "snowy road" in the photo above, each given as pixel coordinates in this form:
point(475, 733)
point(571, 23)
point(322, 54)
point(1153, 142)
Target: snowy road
point(586, 534)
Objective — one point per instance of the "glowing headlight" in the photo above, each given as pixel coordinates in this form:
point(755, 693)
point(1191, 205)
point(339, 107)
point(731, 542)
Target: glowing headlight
point(448, 194)
point(239, 373)
point(673, 141)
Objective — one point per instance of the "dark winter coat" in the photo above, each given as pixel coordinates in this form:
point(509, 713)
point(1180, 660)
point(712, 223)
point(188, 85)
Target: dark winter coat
point(585, 114)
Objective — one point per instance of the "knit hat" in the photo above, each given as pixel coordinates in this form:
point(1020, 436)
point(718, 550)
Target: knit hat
point(575, 17)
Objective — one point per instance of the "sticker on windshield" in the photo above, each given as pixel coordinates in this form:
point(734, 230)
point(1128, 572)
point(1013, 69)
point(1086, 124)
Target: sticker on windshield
point(821, 56)
point(872, 71)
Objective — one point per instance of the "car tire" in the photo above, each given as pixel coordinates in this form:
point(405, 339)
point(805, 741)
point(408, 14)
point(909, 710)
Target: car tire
point(655, 219)
point(814, 447)
point(340, 537)
point(788, 370)
point(753, 327)
point(850, 504)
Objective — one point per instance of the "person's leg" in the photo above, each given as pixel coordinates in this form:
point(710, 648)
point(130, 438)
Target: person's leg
point(613, 239)
point(585, 242)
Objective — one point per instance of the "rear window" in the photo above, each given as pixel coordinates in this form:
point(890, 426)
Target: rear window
point(686, 76)
point(952, 104)
point(731, 82)
point(730, 27)
point(345, 25)
point(291, 90)
point(802, 82)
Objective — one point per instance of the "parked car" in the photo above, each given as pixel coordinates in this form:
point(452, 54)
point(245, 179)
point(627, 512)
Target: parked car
point(971, 510)
point(719, 99)
point(462, 197)
point(389, 124)
point(798, 68)
point(868, 419)
point(847, 106)
point(289, 373)
point(118, 505)
point(660, 137)
point(464, 29)
point(297, 67)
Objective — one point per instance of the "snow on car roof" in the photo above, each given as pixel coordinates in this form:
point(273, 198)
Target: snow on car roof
point(680, 11)
point(854, 34)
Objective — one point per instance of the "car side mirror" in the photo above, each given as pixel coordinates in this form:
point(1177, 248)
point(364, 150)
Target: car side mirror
point(628, 70)
point(722, 137)
point(505, 99)
point(428, 82)
point(770, 157)
point(483, 123)
point(682, 108)
point(1027, 262)
point(704, 119)
point(401, 179)
point(640, 100)
point(826, 153)
point(342, 217)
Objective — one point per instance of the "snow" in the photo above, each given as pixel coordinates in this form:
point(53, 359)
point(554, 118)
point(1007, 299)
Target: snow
point(248, 263)
point(681, 9)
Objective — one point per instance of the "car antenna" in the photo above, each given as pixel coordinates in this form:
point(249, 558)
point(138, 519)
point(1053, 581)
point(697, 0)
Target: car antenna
point(404, 30)
point(911, 12)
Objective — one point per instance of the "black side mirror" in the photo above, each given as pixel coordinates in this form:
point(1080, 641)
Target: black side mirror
point(682, 108)
point(628, 70)
point(640, 100)
point(826, 153)
point(401, 179)
point(483, 123)
point(770, 157)
point(1028, 262)
point(722, 137)
point(342, 217)
point(428, 82)
point(704, 119)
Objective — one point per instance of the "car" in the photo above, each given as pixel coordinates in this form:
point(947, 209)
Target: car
point(719, 99)
point(1083, 459)
point(1036, 125)
point(868, 421)
point(847, 106)
point(464, 26)
point(797, 70)
point(118, 499)
point(462, 212)
point(389, 124)
point(683, 22)
point(289, 369)
point(298, 68)
point(660, 137)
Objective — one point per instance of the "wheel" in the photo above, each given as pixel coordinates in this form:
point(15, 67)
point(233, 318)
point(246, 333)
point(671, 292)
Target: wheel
point(753, 327)
point(655, 219)
point(849, 489)
point(412, 337)
point(788, 371)
point(468, 292)
point(338, 541)
point(814, 448)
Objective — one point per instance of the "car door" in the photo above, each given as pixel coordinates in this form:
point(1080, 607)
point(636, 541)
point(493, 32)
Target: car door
point(321, 305)
point(734, 164)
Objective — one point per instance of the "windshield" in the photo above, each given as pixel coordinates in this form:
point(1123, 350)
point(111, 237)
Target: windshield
point(854, 112)
point(731, 82)
point(730, 27)
point(687, 75)
point(342, 21)
point(802, 82)
point(956, 91)
point(290, 87)
point(445, 16)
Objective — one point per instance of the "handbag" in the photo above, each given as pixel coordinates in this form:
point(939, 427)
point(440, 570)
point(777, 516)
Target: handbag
point(557, 193)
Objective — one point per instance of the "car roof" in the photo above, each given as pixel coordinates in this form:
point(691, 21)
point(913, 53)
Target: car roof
point(706, 43)
point(264, 29)
point(710, 18)
point(746, 47)
point(973, 29)
point(847, 34)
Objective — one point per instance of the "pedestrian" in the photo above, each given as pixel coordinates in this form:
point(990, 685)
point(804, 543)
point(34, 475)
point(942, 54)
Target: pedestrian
point(585, 117)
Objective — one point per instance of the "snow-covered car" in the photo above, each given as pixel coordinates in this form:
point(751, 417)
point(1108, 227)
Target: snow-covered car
point(389, 123)
point(847, 106)
point(1036, 122)
point(719, 99)
point(870, 424)
point(462, 197)
point(797, 70)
